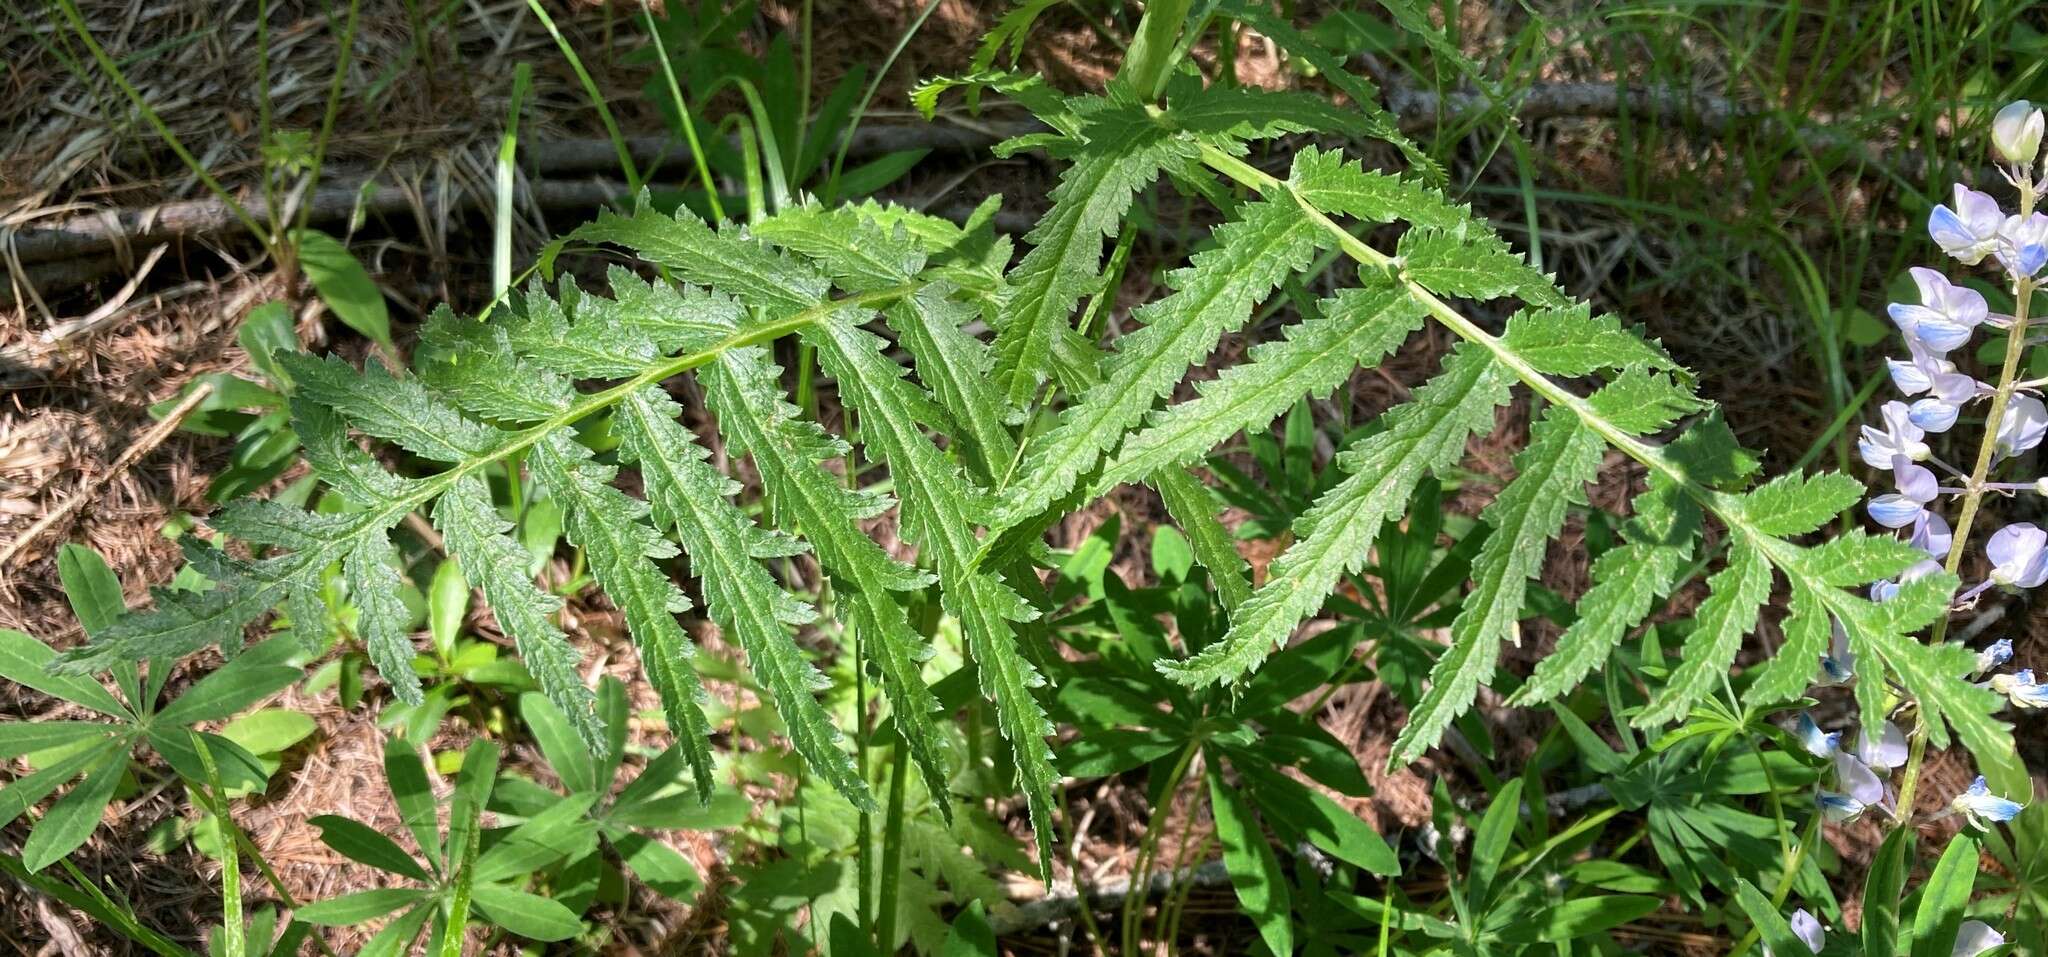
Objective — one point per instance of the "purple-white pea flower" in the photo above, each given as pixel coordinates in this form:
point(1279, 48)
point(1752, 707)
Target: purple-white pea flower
point(2023, 244)
point(1974, 936)
point(1857, 780)
point(1997, 653)
point(1916, 485)
point(1982, 808)
point(2016, 132)
point(2019, 555)
point(1839, 808)
point(1838, 666)
point(1898, 437)
point(1807, 928)
point(1931, 534)
point(2024, 425)
point(1887, 750)
point(1820, 744)
point(1946, 315)
point(1885, 589)
point(1946, 390)
point(1969, 232)
point(2021, 689)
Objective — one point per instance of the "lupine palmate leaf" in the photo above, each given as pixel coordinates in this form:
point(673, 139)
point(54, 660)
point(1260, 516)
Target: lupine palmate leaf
point(1335, 536)
point(1563, 455)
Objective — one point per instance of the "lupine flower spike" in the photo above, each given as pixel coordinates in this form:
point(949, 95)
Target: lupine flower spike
point(1981, 808)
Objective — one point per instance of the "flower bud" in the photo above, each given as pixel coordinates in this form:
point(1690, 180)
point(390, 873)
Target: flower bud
point(2016, 132)
point(2041, 485)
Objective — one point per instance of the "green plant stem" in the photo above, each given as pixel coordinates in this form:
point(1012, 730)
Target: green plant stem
point(113, 71)
point(860, 110)
point(863, 739)
point(1148, 846)
point(341, 61)
point(604, 113)
point(211, 798)
point(892, 855)
point(1784, 888)
point(263, 134)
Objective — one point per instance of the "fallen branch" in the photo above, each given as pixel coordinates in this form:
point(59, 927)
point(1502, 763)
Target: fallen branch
point(547, 162)
point(58, 254)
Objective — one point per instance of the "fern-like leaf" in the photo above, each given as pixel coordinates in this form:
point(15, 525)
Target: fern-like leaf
point(1335, 536)
point(622, 550)
point(491, 560)
point(744, 391)
point(1563, 455)
point(1627, 582)
point(1267, 243)
point(1355, 328)
point(690, 498)
point(1123, 150)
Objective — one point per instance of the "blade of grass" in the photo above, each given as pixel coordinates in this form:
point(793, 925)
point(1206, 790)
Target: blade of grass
point(860, 110)
point(675, 93)
point(508, 148)
point(604, 113)
point(342, 57)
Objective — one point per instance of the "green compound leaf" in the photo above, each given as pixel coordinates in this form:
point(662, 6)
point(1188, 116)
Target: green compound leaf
point(1335, 536)
point(477, 540)
point(1561, 458)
